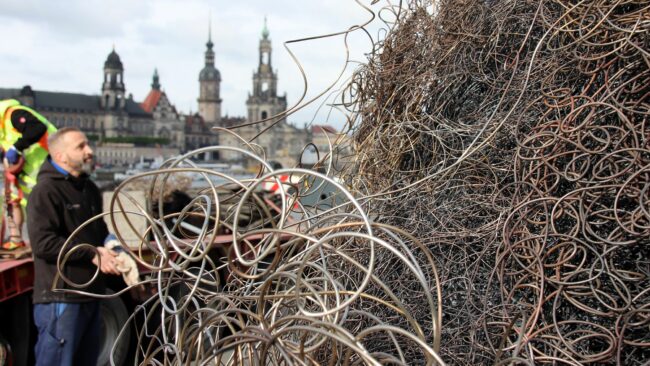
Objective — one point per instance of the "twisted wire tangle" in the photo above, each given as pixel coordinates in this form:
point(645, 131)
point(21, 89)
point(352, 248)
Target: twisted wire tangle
point(494, 210)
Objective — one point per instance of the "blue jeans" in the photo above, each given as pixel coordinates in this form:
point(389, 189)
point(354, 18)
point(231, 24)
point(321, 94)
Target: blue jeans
point(68, 333)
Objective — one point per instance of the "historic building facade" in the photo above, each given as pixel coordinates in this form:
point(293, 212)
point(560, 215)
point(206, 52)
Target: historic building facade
point(108, 115)
point(168, 123)
point(281, 141)
point(112, 116)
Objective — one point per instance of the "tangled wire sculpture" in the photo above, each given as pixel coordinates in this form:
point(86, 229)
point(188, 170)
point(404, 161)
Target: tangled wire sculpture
point(300, 286)
point(496, 210)
point(512, 138)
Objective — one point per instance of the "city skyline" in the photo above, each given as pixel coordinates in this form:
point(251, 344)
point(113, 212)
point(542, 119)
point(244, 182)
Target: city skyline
point(64, 49)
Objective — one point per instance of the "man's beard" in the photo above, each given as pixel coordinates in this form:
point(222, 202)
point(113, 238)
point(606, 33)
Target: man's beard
point(87, 167)
point(82, 166)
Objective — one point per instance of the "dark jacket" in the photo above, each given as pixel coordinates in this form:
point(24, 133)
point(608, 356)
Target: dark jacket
point(57, 206)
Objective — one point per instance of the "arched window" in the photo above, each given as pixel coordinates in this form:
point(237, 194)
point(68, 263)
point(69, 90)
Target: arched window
point(264, 115)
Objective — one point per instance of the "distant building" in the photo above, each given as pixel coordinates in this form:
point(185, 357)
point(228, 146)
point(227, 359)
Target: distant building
point(125, 154)
point(323, 139)
point(209, 87)
point(282, 142)
point(264, 102)
point(125, 130)
point(168, 123)
point(109, 116)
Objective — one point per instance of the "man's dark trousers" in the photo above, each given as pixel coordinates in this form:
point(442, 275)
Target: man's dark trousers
point(68, 333)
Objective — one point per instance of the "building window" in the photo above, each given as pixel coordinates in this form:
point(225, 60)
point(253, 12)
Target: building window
point(264, 115)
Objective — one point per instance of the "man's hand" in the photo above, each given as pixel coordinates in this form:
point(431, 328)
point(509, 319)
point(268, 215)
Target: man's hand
point(12, 155)
point(108, 261)
point(123, 262)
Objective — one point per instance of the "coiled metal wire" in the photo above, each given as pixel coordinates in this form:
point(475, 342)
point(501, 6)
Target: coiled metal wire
point(298, 286)
point(512, 138)
point(495, 209)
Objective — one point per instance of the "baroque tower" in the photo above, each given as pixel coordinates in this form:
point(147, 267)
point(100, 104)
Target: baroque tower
point(264, 101)
point(113, 85)
point(209, 83)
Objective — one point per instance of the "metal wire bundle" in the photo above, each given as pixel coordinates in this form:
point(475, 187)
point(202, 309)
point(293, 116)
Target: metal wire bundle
point(512, 138)
point(301, 286)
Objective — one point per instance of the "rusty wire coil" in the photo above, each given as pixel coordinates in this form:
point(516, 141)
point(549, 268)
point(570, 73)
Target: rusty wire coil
point(512, 138)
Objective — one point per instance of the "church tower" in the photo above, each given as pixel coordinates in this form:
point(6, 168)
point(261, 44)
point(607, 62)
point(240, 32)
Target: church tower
point(264, 101)
point(113, 85)
point(209, 83)
point(155, 85)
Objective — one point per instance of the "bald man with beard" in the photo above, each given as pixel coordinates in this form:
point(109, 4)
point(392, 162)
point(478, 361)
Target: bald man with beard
point(63, 199)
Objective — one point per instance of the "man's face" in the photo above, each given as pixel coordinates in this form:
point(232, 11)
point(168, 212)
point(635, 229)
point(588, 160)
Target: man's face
point(77, 156)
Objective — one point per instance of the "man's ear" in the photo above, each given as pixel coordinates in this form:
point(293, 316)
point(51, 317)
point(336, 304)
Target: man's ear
point(57, 156)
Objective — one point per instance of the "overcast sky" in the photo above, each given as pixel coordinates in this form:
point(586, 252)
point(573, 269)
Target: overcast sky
point(62, 46)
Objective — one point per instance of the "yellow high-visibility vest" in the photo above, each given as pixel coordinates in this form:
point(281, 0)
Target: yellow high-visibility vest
point(35, 154)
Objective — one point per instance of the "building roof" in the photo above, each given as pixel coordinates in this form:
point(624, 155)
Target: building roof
point(231, 121)
point(323, 129)
point(71, 102)
point(27, 91)
point(194, 118)
point(133, 108)
point(57, 101)
point(209, 73)
point(8, 93)
point(113, 61)
point(151, 100)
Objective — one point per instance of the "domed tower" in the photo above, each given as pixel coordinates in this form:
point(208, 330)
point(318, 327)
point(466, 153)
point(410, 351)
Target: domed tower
point(27, 96)
point(209, 82)
point(113, 86)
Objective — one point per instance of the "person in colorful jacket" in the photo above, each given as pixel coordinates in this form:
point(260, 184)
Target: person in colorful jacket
point(23, 134)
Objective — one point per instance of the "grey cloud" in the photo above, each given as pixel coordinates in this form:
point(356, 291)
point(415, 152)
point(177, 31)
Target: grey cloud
point(77, 19)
